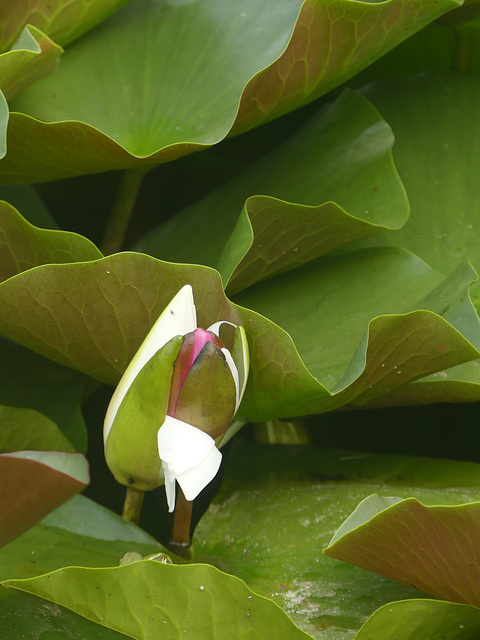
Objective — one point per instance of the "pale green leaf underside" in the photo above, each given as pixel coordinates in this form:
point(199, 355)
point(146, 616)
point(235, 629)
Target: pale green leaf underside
point(80, 532)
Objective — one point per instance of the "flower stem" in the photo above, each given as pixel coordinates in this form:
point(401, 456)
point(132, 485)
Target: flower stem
point(122, 210)
point(132, 507)
point(181, 541)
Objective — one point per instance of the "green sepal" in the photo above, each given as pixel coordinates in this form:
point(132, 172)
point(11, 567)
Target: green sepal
point(208, 395)
point(131, 449)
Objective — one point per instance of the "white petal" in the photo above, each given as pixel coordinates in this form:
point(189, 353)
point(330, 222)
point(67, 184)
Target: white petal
point(240, 376)
point(169, 488)
point(216, 326)
point(182, 446)
point(194, 480)
point(189, 456)
point(233, 369)
point(178, 318)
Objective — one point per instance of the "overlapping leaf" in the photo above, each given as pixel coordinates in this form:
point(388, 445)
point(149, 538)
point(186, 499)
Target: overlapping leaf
point(25, 616)
point(146, 598)
point(29, 429)
point(345, 187)
point(62, 20)
point(23, 246)
point(434, 129)
point(188, 92)
point(80, 532)
point(29, 381)
point(433, 548)
point(34, 483)
point(280, 505)
point(421, 619)
point(33, 56)
point(92, 316)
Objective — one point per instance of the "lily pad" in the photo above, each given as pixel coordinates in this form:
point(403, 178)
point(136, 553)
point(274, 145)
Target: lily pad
point(189, 601)
point(331, 43)
point(429, 165)
point(80, 532)
point(279, 506)
point(25, 198)
point(432, 548)
point(457, 384)
point(25, 616)
point(33, 56)
point(266, 52)
point(344, 188)
point(29, 381)
point(112, 303)
point(433, 136)
point(29, 429)
point(33, 483)
point(23, 246)
point(62, 20)
point(422, 619)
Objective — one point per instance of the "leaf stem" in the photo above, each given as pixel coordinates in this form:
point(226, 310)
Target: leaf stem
point(132, 507)
point(463, 47)
point(282, 432)
point(122, 210)
point(181, 541)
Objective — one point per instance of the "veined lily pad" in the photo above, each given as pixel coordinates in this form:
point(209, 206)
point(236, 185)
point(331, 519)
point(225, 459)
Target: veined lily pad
point(364, 344)
point(188, 93)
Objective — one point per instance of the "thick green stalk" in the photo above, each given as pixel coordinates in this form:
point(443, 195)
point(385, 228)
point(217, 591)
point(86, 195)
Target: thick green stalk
point(132, 507)
point(122, 210)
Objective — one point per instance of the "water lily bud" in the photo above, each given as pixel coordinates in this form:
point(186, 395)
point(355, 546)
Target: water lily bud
point(175, 400)
point(203, 391)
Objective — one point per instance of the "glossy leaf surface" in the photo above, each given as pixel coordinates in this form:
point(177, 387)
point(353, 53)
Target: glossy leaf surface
point(182, 601)
point(202, 81)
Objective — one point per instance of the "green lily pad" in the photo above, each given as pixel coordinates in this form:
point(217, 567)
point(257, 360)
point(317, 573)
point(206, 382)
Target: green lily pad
point(331, 43)
point(23, 246)
point(438, 182)
point(346, 187)
point(433, 322)
point(80, 532)
point(433, 137)
point(29, 381)
point(33, 56)
point(329, 334)
point(139, 599)
point(260, 51)
point(26, 616)
point(422, 619)
point(29, 429)
point(62, 20)
point(25, 198)
point(279, 506)
point(433, 548)
point(33, 483)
